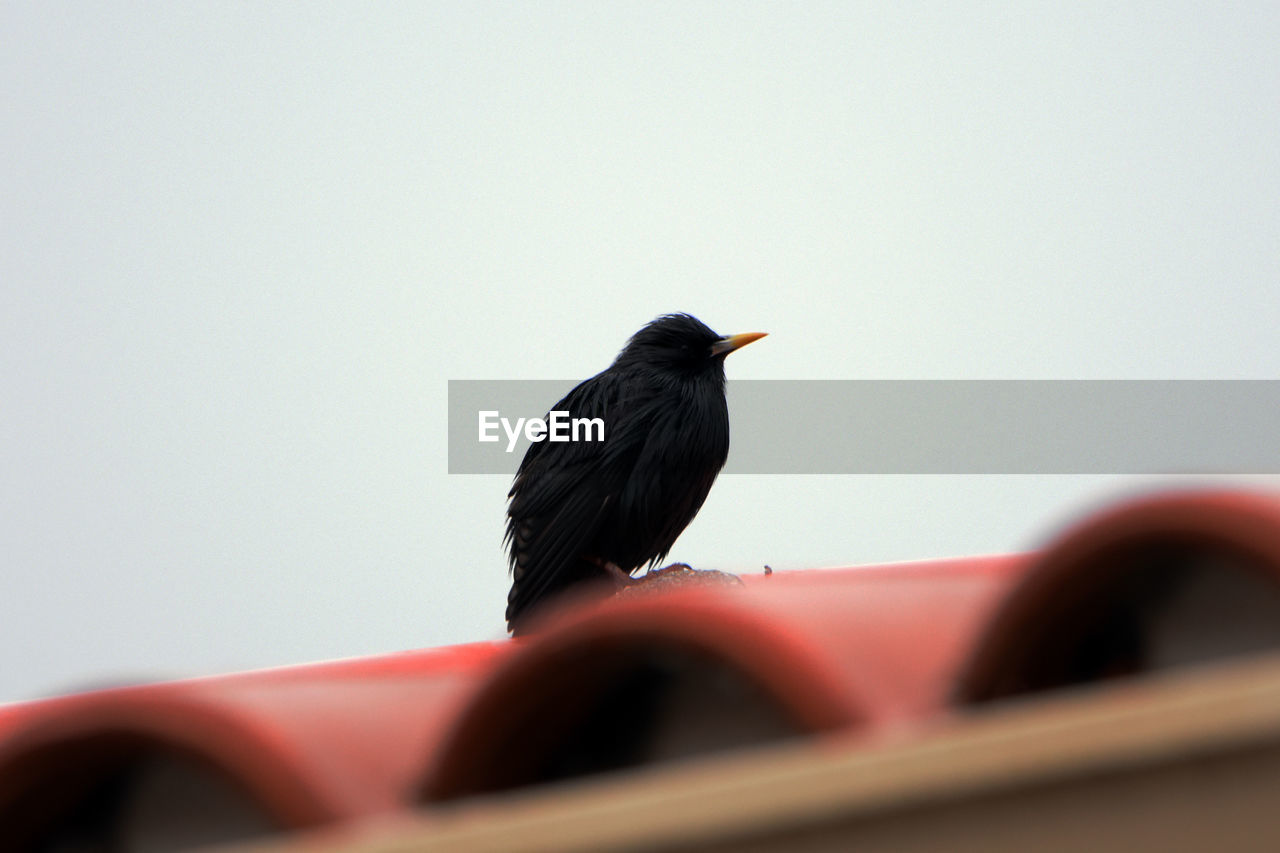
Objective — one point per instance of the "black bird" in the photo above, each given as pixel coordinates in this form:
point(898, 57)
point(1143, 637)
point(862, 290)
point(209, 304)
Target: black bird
point(584, 511)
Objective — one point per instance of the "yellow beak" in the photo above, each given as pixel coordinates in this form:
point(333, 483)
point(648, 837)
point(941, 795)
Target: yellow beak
point(729, 343)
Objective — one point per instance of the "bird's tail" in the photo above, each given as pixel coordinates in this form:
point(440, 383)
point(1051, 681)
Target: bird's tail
point(529, 595)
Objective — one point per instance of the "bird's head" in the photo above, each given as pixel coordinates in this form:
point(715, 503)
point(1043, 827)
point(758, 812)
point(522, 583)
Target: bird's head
point(681, 343)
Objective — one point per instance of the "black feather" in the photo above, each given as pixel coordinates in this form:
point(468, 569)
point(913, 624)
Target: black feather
point(577, 505)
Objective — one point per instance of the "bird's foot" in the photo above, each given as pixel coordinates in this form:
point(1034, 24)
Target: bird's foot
point(674, 568)
point(620, 577)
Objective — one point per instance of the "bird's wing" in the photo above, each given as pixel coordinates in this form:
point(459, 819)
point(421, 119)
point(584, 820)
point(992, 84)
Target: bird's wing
point(562, 491)
point(551, 471)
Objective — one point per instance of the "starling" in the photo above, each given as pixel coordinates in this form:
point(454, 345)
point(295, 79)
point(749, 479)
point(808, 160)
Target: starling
point(591, 511)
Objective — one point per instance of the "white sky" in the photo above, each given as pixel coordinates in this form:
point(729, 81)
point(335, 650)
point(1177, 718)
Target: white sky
point(245, 245)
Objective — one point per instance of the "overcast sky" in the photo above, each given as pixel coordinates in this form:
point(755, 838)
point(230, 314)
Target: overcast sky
point(245, 246)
